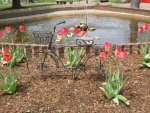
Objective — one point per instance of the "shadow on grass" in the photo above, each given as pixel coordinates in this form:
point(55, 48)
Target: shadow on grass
point(25, 6)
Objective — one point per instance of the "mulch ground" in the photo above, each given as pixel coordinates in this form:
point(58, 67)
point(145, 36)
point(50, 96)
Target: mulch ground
point(61, 94)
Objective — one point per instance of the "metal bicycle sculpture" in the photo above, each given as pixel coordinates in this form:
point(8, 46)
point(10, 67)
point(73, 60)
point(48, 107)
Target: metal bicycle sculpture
point(49, 62)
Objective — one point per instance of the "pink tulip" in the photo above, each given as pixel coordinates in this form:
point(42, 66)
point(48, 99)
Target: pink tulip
point(81, 33)
point(122, 55)
point(103, 56)
point(7, 57)
point(1, 34)
point(63, 31)
point(4, 50)
point(107, 46)
point(146, 26)
point(140, 29)
point(76, 31)
point(8, 29)
point(118, 50)
point(21, 28)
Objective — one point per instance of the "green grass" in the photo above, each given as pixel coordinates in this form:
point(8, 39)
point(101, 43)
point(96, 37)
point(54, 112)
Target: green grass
point(24, 1)
point(96, 1)
point(4, 6)
point(38, 3)
point(116, 1)
point(8, 6)
point(112, 1)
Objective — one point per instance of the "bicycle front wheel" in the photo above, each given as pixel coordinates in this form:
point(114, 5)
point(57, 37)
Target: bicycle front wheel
point(44, 66)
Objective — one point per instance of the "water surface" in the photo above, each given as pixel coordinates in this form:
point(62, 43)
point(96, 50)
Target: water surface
point(114, 30)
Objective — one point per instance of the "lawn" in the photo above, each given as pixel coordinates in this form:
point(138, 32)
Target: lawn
point(38, 3)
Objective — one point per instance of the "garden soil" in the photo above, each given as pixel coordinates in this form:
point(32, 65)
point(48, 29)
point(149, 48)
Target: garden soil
point(60, 94)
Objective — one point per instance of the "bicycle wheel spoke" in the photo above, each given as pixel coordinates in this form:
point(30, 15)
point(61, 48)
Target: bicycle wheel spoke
point(46, 68)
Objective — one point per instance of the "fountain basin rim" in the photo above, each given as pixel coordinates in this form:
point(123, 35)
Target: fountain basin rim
point(95, 12)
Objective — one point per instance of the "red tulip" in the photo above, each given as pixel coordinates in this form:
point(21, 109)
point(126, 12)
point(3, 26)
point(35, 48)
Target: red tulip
point(146, 27)
point(140, 29)
point(7, 57)
point(118, 50)
point(103, 56)
point(122, 55)
point(76, 31)
point(21, 28)
point(1, 34)
point(4, 50)
point(63, 31)
point(81, 33)
point(107, 46)
point(8, 29)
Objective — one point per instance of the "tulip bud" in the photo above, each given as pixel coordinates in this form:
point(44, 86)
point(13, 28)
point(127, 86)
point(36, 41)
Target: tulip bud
point(8, 29)
point(21, 28)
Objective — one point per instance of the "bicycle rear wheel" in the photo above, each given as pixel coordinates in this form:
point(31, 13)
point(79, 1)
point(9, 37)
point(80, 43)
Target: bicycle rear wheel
point(43, 68)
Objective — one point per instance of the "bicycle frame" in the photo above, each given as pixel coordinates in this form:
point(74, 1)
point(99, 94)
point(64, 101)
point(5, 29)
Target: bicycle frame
point(54, 56)
point(49, 50)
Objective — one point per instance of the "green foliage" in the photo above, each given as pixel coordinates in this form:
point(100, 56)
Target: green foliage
point(17, 55)
point(117, 1)
point(74, 57)
point(8, 83)
point(145, 51)
point(112, 87)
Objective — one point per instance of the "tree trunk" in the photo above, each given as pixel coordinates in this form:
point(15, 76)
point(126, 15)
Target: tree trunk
point(16, 4)
point(135, 3)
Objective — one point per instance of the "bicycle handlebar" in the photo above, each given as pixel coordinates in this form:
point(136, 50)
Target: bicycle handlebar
point(61, 22)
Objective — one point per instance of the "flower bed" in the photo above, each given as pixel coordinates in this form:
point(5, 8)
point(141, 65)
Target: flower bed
point(58, 93)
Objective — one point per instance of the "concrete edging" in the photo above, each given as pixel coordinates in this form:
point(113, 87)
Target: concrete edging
point(75, 12)
point(30, 50)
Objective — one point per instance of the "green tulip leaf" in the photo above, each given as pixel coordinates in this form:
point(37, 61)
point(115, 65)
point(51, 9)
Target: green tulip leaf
point(147, 64)
point(116, 101)
point(9, 83)
point(74, 57)
point(147, 58)
point(122, 98)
